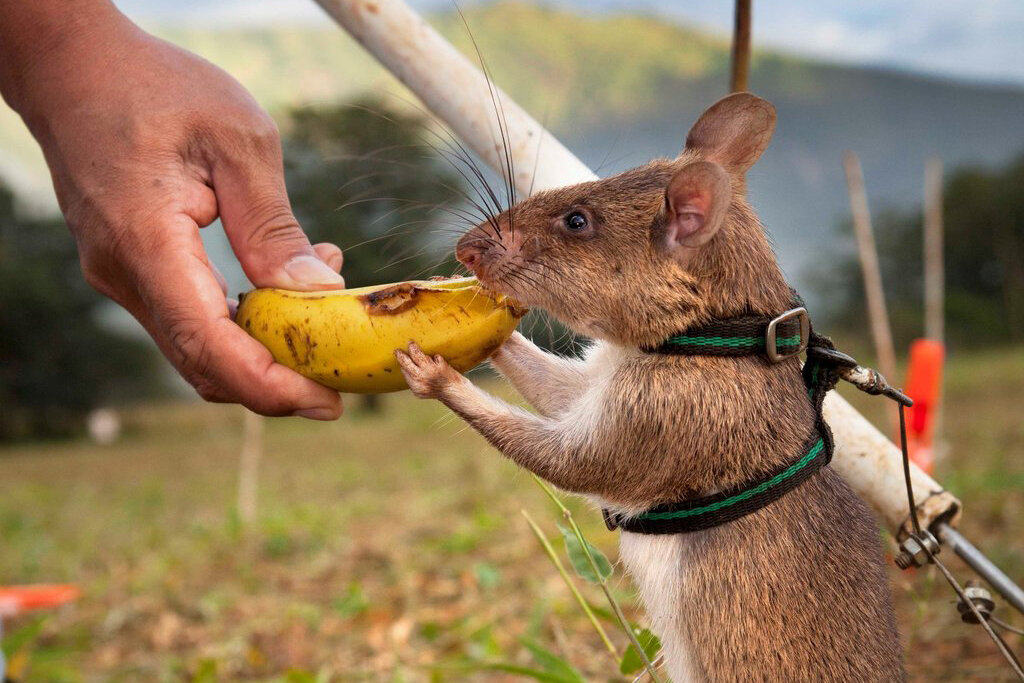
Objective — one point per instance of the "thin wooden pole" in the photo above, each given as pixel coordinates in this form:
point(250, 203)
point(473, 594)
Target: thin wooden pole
point(934, 282)
point(739, 79)
point(934, 271)
point(878, 316)
point(249, 467)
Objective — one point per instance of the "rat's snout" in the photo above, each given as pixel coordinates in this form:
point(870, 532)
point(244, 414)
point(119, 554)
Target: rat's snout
point(472, 251)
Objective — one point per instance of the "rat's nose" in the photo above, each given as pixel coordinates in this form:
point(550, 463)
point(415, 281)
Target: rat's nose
point(470, 251)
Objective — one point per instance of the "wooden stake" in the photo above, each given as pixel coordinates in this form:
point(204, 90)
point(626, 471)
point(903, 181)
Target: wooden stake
point(249, 467)
point(934, 281)
point(739, 78)
point(934, 271)
point(457, 92)
point(878, 316)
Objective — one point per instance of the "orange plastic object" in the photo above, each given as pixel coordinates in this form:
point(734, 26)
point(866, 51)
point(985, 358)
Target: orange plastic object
point(18, 599)
point(924, 385)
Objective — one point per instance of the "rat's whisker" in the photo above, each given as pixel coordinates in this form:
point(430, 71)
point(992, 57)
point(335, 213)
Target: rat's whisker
point(508, 169)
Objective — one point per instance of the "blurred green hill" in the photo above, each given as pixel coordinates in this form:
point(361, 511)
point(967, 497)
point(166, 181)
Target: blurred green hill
point(621, 89)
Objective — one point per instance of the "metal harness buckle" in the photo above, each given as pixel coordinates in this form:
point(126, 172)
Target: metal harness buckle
point(771, 334)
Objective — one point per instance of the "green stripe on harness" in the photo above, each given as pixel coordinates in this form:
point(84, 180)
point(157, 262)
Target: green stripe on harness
point(812, 453)
point(732, 342)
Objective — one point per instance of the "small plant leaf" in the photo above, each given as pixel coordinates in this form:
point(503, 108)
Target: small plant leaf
point(631, 660)
point(579, 560)
point(552, 663)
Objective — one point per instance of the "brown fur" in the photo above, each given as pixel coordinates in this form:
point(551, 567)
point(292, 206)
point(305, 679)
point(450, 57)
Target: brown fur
point(796, 591)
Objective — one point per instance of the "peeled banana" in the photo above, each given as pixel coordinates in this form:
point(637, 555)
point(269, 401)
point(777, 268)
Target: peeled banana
point(347, 339)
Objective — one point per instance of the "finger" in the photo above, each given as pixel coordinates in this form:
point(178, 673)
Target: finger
point(329, 254)
point(248, 180)
point(188, 316)
point(219, 276)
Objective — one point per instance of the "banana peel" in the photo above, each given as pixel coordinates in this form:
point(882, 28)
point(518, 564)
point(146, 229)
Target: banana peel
point(346, 339)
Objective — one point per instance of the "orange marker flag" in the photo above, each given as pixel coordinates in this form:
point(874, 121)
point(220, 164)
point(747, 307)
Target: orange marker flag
point(18, 599)
point(924, 385)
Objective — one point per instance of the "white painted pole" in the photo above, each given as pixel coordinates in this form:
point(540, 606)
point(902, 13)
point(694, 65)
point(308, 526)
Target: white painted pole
point(456, 91)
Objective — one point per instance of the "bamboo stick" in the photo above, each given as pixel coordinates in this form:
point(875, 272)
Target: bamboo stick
point(935, 282)
point(249, 467)
point(878, 316)
point(934, 272)
point(739, 77)
point(459, 95)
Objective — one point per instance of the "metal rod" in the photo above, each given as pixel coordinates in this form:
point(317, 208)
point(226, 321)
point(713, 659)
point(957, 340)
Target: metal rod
point(983, 566)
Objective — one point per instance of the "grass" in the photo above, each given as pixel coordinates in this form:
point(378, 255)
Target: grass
point(390, 547)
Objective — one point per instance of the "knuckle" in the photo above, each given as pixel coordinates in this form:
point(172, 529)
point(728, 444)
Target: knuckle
point(192, 354)
point(94, 271)
point(207, 391)
point(273, 223)
point(265, 132)
point(248, 132)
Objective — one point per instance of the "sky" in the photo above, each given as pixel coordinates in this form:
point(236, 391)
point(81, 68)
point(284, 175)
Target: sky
point(972, 39)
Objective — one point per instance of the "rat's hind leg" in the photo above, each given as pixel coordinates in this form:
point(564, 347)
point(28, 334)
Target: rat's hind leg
point(548, 382)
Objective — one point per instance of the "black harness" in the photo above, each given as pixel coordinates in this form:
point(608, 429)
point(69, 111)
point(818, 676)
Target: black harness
point(779, 338)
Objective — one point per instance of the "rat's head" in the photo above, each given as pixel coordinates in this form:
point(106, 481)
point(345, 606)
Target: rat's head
point(641, 255)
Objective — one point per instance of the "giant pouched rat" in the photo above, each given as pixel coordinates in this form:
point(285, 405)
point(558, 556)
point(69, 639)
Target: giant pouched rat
point(795, 591)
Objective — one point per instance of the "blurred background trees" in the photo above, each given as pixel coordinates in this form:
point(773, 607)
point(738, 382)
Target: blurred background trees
point(369, 178)
point(984, 257)
point(58, 360)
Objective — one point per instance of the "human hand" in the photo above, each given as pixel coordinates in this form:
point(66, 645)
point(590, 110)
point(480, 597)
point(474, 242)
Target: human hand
point(147, 144)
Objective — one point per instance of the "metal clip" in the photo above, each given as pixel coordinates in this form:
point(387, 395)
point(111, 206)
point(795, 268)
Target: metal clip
point(982, 600)
point(917, 551)
point(771, 334)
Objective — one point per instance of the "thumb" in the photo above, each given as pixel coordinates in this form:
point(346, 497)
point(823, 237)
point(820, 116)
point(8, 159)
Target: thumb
point(264, 234)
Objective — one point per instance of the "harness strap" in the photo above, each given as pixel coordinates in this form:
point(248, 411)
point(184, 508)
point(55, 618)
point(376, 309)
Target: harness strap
point(743, 336)
point(777, 338)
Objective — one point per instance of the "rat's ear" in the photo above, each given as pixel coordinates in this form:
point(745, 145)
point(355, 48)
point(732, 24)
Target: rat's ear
point(696, 201)
point(734, 131)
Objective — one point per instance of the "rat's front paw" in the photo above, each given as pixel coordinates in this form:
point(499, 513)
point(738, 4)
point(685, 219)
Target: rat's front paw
point(427, 376)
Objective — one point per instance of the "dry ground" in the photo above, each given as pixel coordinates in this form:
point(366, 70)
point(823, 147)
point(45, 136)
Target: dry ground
point(388, 548)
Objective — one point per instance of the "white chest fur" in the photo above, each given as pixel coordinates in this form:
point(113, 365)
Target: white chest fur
point(657, 564)
point(658, 567)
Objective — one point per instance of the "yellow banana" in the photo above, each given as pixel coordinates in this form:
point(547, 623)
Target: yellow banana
point(347, 339)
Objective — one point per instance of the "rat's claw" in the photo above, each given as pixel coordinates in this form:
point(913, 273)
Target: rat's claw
point(427, 376)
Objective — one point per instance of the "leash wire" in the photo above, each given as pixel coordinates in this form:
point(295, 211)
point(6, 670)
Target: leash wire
point(1000, 643)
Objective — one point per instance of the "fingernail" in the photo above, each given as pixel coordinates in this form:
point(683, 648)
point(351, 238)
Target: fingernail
point(316, 414)
point(309, 270)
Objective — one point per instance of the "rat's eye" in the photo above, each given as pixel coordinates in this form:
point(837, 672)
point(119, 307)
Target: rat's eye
point(576, 222)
